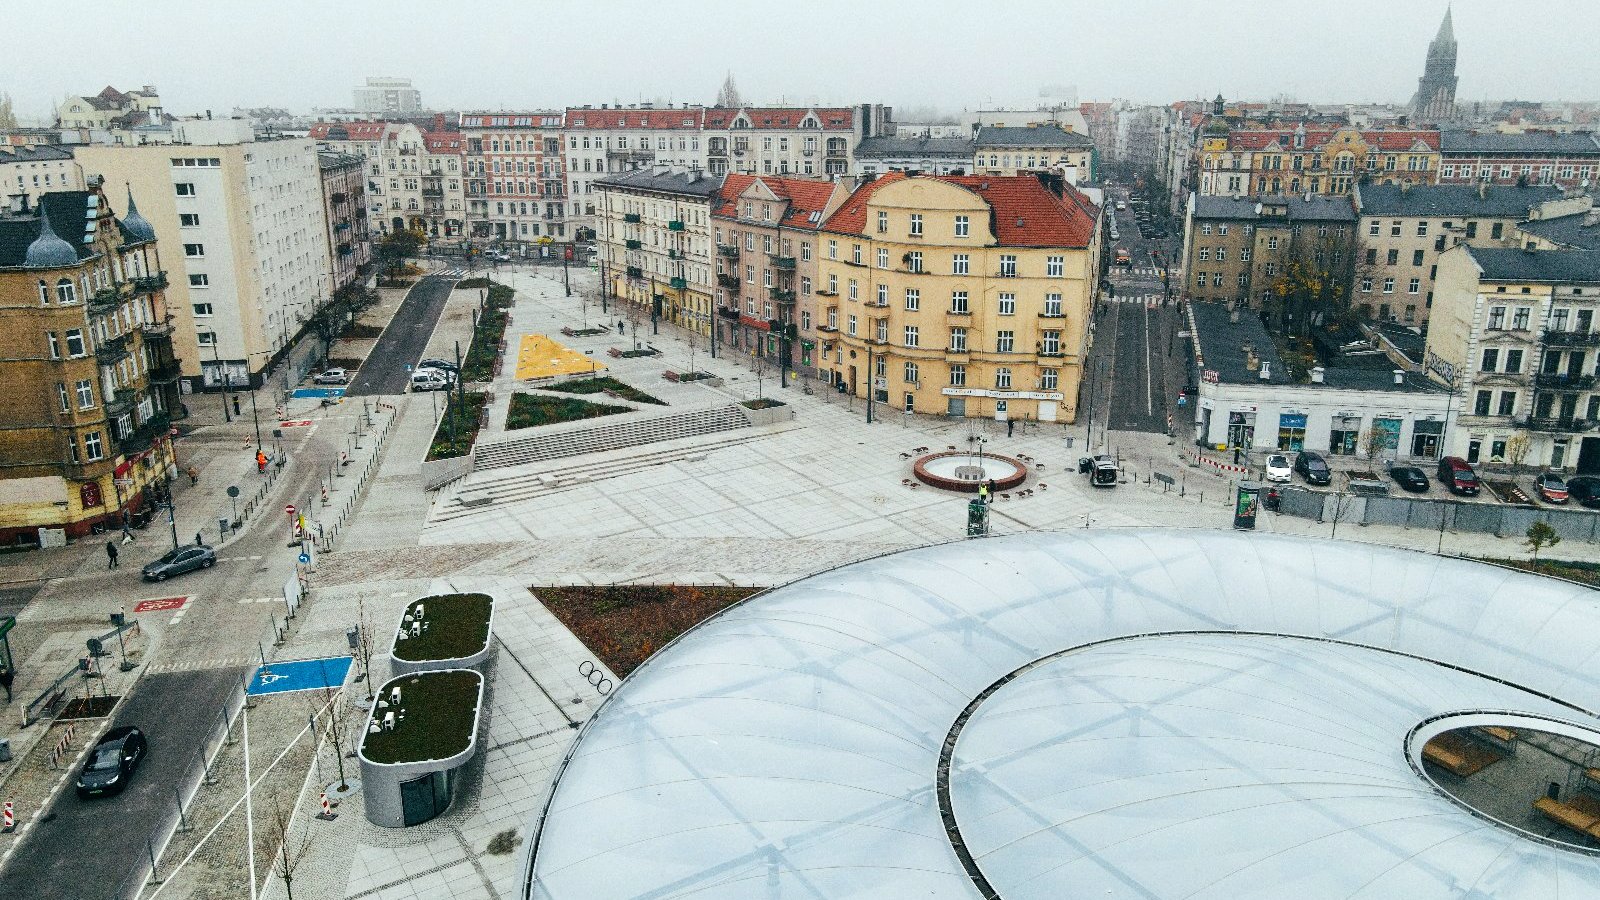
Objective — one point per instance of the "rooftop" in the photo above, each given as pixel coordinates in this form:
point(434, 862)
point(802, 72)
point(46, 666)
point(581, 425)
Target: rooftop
point(71, 214)
point(1576, 232)
point(1576, 142)
point(807, 197)
point(1025, 212)
point(1032, 136)
point(1385, 139)
point(1503, 201)
point(436, 717)
point(920, 148)
point(693, 183)
point(1298, 208)
point(1559, 266)
point(454, 626)
point(1238, 351)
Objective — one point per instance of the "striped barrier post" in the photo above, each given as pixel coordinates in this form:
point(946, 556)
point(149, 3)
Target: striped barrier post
point(10, 819)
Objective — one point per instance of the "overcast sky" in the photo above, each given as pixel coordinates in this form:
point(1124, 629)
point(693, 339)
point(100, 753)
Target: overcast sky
point(953, 54)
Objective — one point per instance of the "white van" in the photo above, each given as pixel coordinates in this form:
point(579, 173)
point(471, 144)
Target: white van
point(430, 380)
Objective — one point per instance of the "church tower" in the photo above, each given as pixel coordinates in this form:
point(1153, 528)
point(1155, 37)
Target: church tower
point(1435, 101)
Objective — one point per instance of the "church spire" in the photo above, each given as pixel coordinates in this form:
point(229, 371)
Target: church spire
point(1447, 32)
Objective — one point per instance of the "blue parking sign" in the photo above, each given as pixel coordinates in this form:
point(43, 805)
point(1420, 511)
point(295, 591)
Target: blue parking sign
point(300, 675)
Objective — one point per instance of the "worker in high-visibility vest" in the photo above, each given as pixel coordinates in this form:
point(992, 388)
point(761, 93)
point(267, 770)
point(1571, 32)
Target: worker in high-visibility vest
point(261, 462)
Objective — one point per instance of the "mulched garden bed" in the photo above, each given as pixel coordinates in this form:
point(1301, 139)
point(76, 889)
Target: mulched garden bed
point(623, 624)
point(762, 403)
point(630, 354)
point(532, 410)
point(458, 428)
point(88, 708)
point(606, 385)
point(358, 331)
point(1581, 572)
point(487, 337)
point(685, 377)
point(1508, 492)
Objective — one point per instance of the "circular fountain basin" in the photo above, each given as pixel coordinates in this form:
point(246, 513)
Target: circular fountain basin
point(957, 470)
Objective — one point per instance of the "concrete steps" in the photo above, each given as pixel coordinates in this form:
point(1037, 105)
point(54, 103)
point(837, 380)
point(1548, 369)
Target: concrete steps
point(606, 434)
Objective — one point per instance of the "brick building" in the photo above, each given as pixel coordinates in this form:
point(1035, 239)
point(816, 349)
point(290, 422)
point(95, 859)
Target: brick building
point(1568, 160)
point(516, 185)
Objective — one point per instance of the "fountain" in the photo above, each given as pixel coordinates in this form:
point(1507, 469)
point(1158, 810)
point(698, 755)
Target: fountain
point(965, 470)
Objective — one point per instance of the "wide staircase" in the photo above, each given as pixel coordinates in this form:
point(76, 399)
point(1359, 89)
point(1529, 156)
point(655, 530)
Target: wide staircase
point(605, 435)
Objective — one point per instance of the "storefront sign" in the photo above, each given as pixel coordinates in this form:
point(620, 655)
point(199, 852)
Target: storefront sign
point(1003, 395)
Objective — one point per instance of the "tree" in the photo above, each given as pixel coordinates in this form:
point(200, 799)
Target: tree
point(1541, 535)
point(8, 114)
point(394, 249)
point(1315, 277)
point(1374, 441)
point(728, 95)
point(292, 849)
point(1517, 447)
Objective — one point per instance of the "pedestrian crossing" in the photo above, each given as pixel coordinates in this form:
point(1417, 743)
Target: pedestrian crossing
point(456, 272)
point(1153, 271)
point(195, 665)
point(1134, 299)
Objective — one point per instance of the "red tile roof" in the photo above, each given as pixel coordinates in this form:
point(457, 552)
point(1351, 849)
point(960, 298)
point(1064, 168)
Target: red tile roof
point(442, 142)
point(832, 118)
point(635, 118)
point(358, 131)
point(1388, 139)
point(805, 196)
point(1025, 212)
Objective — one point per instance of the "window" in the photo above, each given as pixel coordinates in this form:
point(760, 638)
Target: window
point(911, 335)
point(1519, 319)
point(1374, 228)
point(1272, 242)
point(184, 189)
point(1008, 304)
point(1222, 229)
point(61, 396)
point(1005, 342)
point(206, 338)
point(853, 292)
point(1205, 228)
point(64, 292)
point(1244, 254)
point(883, 258)
point(1002, 377)
point(75, 344)
point(1414, 286)
point(199, 280)
point(1480, 403)
point(852, 330)
point(1200, 277)
point(189, 220)
point(1497, 230)
point(1271, 268)
point(93, 447)
point(1508, 403)
point(1056, 266)
point(958, 302)
point(959, 264)
point(194, 249)
point(805, 285)
point(1204, 254)
point(833, 317)
point(1513, 361)
point(1491, 360)
point(1008, 266)
point(958, 340)
point(1393, 257)
point(958, 375)
point(881, 331)
point(833, 249)
point(805, 251)
point(55, 344)
point(1497, 318)
point(912, 373)
point(913, 299)
point(1388, 285)
point(1422, 228)
point(1052, 304)
point(883, 221)
point(833, 284)
point(202, 309)
point(914, 261)
point(855, 254)
point(805, 320)
point(85, 391)
point(1472, 229)
point(916, 224)
point(1366, 285)
point(963, 226)
point(1049, 379)
point(1050, 341)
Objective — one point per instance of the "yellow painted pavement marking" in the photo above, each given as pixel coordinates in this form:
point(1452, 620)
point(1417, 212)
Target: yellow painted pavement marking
point(540, 357)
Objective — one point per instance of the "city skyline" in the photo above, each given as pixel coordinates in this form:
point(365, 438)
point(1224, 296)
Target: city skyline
point(1108, 60)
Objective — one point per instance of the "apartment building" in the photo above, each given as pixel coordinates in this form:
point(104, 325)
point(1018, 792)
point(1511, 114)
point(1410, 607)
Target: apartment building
point(415, 178)
point(1516, 333)
point(1015, 151)
point(244, 221)
point(808, 141)
point(1257, 252)
point(111, 109)
point(933, 155)
point(33, 171)
point(959, 295)
point(387, 96)
point(1569, 160)
point(1319, 159)
point(344, 209)
point(654, 242)
point(1404, 229)
point(765, 229)
point(86, 355)
point(516, 179)
point(610, 140)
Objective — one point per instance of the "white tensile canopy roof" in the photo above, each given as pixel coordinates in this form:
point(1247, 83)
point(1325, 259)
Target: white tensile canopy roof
point(1139, 713)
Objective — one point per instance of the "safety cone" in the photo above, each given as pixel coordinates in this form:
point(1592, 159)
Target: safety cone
point(327, 814)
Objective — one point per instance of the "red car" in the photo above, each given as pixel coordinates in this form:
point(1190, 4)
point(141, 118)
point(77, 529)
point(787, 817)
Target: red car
point(1551, 488)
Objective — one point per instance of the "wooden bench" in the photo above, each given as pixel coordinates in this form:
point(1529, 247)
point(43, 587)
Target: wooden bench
point(1499, 733)
point(1447, 759)
point(1460, 755)
point(1592, 775)
point(1569, 816)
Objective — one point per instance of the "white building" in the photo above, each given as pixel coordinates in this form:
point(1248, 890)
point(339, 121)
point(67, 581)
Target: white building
point(415, 178)
point(243, 235)
point(37, 169)
point(388, 97)
point(610, 140)
point(786, 140)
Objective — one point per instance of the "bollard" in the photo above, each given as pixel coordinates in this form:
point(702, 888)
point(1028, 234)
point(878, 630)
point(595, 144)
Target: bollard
point(327, 814)
point(10, 819)
point(183, 823)
point(155, 878)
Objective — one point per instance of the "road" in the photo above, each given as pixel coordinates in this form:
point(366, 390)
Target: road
point(85, 847)
point(404, 340)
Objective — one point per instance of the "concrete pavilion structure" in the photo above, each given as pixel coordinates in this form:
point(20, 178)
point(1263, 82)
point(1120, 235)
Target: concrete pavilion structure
point(1123, 713)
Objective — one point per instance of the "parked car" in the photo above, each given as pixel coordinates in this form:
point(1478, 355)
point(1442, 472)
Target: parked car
point(1410, 478)
point(1585, 491)
point(1278, 467)
point(1454, 473)
point(1313, 468)
point(432, 363)
point(331, 376)
point(1551, 488)
point(1102, 470)
point(431, 380)
point(112, 761)
point(176, 562)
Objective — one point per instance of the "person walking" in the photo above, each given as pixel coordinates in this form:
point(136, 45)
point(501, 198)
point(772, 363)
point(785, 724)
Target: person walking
point(111, 554)
point(1011, 425)
point(198, 540)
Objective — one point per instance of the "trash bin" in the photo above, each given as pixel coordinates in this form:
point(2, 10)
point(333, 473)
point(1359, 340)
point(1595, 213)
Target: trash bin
point(5, 750)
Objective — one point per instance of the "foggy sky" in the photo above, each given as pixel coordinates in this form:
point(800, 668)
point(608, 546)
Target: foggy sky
point(495, 54)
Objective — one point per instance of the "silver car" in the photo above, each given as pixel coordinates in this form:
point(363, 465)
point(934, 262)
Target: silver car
point(176, 562)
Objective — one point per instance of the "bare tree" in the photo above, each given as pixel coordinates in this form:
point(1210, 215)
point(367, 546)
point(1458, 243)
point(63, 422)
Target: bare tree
point(635, 315)
point(694, 342)
point(292, 847)
point(1517, 447)
point(8, 115)
point(728, 94)
point(1315, 277)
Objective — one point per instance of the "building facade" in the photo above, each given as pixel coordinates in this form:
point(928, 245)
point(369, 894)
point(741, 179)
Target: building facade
point(111, 109)
point(244, 219)
point(933, 155)
point(33, 171)
point(611, 140)
point(1516, 334)
point(808, 141)
point(654, 243)
point(1570, 160)
point(384, 96)
point(516, 179)
point(88, 363)
point(415, 178)
point(1257, 253)
point(1015, 151)
point(961, 296)
point(1316, 160)
point(344, 207)
point(765, 229)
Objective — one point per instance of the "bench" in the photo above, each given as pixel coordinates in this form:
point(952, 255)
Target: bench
point(1460, 755)
point(1447, 759)
point(1569, 816)
point(1504, 738)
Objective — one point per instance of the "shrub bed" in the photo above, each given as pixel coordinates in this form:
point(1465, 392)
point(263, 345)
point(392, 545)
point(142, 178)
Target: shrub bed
point(491, 330)
point(457, 627)
point(532, 410)
point(446, 444)
point(685, 377)
point(623, 624)
point(762, 403)
point(479, 282)
point(441, 710)
point(606, 385)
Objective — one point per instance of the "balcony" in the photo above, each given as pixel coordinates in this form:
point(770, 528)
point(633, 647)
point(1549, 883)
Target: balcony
point(433, 192)
point(105, 299)
point(1571, 338)
point(149, 284)
point(877, 341)
point(785, 263)
point(824, 292)
point(112, 350)
point(781, 295)
point(728, 281)
point(162, 329)
point(1564, 382)
point(674, 254)
point(876, 304)
point(165, 373)
point(731, 251)
point(965, 314)
point(675, 225)
point(1558, 424)
point(631, 218)
point(1057, 314)
point(728, 312)
point(828, 329)
point(635, 272)
point(632, 245)
point(145, 435)
point(119, 402)
point(679, 284)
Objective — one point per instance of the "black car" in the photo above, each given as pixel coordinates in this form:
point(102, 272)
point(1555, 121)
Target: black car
point(442, 364)
point(1584, 491)
point(1410, 478)
point(1313, 468)
point(112, 761)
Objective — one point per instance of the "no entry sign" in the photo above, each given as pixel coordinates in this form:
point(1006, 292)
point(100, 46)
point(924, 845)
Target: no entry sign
point(288, 510)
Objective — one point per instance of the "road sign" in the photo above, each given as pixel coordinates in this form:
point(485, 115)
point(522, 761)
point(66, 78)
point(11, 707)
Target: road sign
point(160, 604)
point(288, 509)
point(233, 490)
point(305, 558)
point(300, 675)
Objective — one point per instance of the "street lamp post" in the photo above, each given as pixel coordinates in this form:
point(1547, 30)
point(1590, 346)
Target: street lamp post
point(256, 417)
point(225, 376)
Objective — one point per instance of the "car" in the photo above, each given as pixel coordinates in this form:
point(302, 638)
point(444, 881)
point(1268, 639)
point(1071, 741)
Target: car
point(1278, 467)
point(1313, 468)
point(441, 364)
point(1121, 205)
point(176, 562)
point(1585, 491)
point(1410, 478)
point(112, 762)
point(331, 376)
point(1551, 488)
point(1457, 475)
point(431, 380)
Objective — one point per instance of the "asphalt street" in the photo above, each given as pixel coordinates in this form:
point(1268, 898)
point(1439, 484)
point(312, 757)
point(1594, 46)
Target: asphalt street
point(94, 843)
point(404, 340)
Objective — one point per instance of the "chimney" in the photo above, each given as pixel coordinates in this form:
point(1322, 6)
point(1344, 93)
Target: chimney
point(1399, 376)
point(1483, 190)
point(1266, 371)
point(1233, 315)
point(1317, 374)
point(208, 115)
